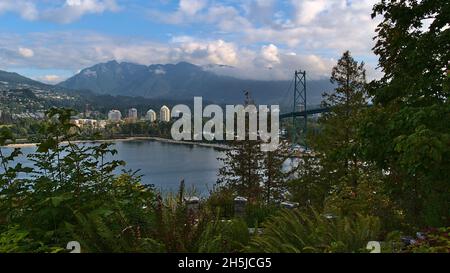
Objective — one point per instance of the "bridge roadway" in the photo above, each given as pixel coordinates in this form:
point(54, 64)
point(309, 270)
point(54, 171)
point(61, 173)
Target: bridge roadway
point(304, 113)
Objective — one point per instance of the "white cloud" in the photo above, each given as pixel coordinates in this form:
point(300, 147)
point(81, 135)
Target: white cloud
point(307, 10)
point(270, 53)
point(26, 52)
point(26, 9)
point(191, 7)
point(67, 12)
point(321, 26)
point(159, 71)
point(220, 52)
point(187, 11)
point(74, 51)
point(52, 79)
point(216, 51)
point(182, 39)
point(227, 19)
point(331, 26)
point(72, 10)
point(255, 37)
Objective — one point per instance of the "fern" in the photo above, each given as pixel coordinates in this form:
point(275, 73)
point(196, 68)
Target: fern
point(223, 236)
point(295, 231)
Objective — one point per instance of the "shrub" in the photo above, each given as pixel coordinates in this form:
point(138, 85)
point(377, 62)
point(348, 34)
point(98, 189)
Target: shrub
point(433, 240)
point(221, 201)
point(15, 240)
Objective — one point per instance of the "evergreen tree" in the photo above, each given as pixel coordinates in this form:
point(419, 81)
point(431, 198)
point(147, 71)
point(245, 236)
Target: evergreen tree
point(312, 187)
point(333, 176)
point(275, 184)
point(337, 142)
point(241, 169)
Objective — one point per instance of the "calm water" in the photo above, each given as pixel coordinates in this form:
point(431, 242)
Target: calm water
point(166, 164)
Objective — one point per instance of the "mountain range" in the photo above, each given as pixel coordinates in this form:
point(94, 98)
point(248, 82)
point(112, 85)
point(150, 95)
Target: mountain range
point(183, 81)
point(114, 85)
point(24, 97)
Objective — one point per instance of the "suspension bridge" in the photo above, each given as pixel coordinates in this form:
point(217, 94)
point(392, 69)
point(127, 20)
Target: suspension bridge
point(300, 107)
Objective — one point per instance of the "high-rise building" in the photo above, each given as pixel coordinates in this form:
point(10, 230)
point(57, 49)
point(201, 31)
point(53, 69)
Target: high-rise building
point(87, 111)
point(114, 115)
point(151, 115)
point(164, 114)
point(132, 114)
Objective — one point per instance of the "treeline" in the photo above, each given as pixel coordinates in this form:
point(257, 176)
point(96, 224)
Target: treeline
point(28, 129)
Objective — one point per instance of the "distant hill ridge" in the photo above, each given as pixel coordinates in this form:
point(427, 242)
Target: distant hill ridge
point(183, 81)
point(14, 78)
point(40, 96)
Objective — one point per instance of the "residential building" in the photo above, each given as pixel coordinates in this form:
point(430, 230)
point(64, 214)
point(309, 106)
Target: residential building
point(114, 116)
point(151, 115)
point(132, 114)
point(164, 114)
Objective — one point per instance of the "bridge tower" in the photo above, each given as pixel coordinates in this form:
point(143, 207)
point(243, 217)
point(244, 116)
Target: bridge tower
point(299, 105)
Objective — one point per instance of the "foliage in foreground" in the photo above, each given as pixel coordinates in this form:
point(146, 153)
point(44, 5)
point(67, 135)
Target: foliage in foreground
point(406, 132)
point(296, 231)
point(70, 193)
point(433, 240)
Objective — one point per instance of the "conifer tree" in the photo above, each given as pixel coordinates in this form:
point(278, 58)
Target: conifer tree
point(241, 171)
point(275, 177)
point(337, 141)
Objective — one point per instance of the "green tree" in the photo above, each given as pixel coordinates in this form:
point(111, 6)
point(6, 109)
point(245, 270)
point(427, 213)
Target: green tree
point(406, 132)
point(275, 178)
point(312, 187)
point(337, 143)
point(334, 167)
point(241, 169)
point(242, 163)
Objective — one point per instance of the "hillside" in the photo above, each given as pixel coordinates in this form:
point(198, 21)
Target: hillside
point(183, 81)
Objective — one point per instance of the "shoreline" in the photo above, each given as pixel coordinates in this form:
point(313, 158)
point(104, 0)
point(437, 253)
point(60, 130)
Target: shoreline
point(128, 139)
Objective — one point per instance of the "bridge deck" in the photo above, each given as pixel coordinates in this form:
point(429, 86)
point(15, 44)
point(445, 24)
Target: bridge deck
point(304, 113)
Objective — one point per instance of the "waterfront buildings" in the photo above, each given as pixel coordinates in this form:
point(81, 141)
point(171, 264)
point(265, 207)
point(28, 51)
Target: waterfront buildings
point(164, 114)
point(114, 116)
point(92, 123)
point(132, 114)
point(151, 115)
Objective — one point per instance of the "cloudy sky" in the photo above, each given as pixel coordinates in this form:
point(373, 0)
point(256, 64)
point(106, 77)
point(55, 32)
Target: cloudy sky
point(51, 40)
